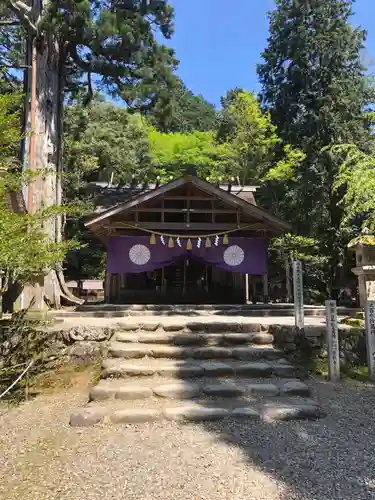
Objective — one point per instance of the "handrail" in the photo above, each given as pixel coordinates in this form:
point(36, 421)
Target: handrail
point(17, 379)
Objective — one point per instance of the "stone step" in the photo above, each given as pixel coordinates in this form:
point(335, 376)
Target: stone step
point(117, 368)
point(204, 387)
point(187, 326)
point(187, 339)
point(185, 411)
point(244, 352)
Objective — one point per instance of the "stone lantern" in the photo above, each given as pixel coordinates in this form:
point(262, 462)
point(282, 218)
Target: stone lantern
point(364, 248)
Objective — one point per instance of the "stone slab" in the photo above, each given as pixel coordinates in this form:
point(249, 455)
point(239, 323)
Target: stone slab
point(213, 369)
point(102, 392)
point(128, 351)
point(296, 388)
point(284, 411)
point(129, 327)
point(283, 370)
point(85, 417)
point(257, 369)
point(223, 390)
point(174, 327)
point(182, 371)
point(180, 390)
point(170, 351)
point(136, 415)
point(245, 412)
point(149, 327)
point(269, 389)
point(263, 338)
point(127, 370)
point(209, 352)
point(133, 392)
point(248, 353)
point(195, 413)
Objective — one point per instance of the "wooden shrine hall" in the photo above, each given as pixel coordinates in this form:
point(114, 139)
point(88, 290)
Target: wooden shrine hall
point(188, 242)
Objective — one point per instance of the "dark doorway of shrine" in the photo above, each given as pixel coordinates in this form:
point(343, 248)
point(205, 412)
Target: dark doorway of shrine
point(188, 281)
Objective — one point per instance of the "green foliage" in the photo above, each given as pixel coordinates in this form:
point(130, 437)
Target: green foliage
point(316, 90)
point(172, 153)
point(187, 113)
point(116, 41)
point(25, 251)
point(103, 142)
point(356, 182)
point(257, 153)
point(298, 247)
point(9, 128)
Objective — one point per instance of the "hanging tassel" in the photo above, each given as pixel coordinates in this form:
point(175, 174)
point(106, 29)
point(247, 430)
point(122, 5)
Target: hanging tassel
point(208, 243)
point(170, 243)
point(189, 246)
point(152, 240)
point(225, 239)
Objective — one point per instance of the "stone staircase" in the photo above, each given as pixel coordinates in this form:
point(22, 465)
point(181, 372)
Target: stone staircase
point(194, 375)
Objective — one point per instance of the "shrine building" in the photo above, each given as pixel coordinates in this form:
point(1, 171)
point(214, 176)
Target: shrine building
point(187, 241)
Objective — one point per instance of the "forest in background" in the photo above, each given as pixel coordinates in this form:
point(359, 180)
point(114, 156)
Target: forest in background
point(307, 139)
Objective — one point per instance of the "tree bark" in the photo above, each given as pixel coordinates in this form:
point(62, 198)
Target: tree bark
point(45, 154)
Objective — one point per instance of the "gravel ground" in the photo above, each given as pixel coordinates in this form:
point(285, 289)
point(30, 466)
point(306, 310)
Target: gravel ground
point(42, 458)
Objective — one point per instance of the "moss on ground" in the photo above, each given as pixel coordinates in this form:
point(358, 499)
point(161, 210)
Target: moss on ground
point(319, 367)
point(61, 377)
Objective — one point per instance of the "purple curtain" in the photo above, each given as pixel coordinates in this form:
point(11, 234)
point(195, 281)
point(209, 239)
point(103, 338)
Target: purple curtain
point(134, 254)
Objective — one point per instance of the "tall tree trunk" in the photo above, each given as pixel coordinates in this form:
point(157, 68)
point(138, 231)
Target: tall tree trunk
point(45, 153)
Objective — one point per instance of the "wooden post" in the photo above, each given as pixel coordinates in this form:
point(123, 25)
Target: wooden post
point(332, 341)
point(370, 337)
point(162, 280)
point(298, 294)
point(184, 278)
point(247, 297)
point(265, 288)
point(107, 287)
point(254, 290)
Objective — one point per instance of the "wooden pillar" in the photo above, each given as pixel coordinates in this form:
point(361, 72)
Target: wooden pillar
point(253, 290)
point(162, 281)
point(247, 291)
point(107, 287)
point(184, 284)
point(265, 288)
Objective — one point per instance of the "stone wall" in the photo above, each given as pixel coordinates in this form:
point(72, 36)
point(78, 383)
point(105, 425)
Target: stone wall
point(312, 343)
point(81, 345)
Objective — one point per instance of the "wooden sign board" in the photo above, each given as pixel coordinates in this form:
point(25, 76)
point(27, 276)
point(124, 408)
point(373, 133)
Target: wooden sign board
point(298, 294)
point(370, 337)
point(333, 341)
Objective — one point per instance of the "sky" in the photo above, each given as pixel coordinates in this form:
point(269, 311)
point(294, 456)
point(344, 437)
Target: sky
point(219, 42)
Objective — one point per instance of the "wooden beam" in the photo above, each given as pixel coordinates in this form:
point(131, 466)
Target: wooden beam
point(192, 198)
point(186, 210)
point(193, 226)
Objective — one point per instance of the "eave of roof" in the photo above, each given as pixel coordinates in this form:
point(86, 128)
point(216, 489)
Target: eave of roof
point(203, 185)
